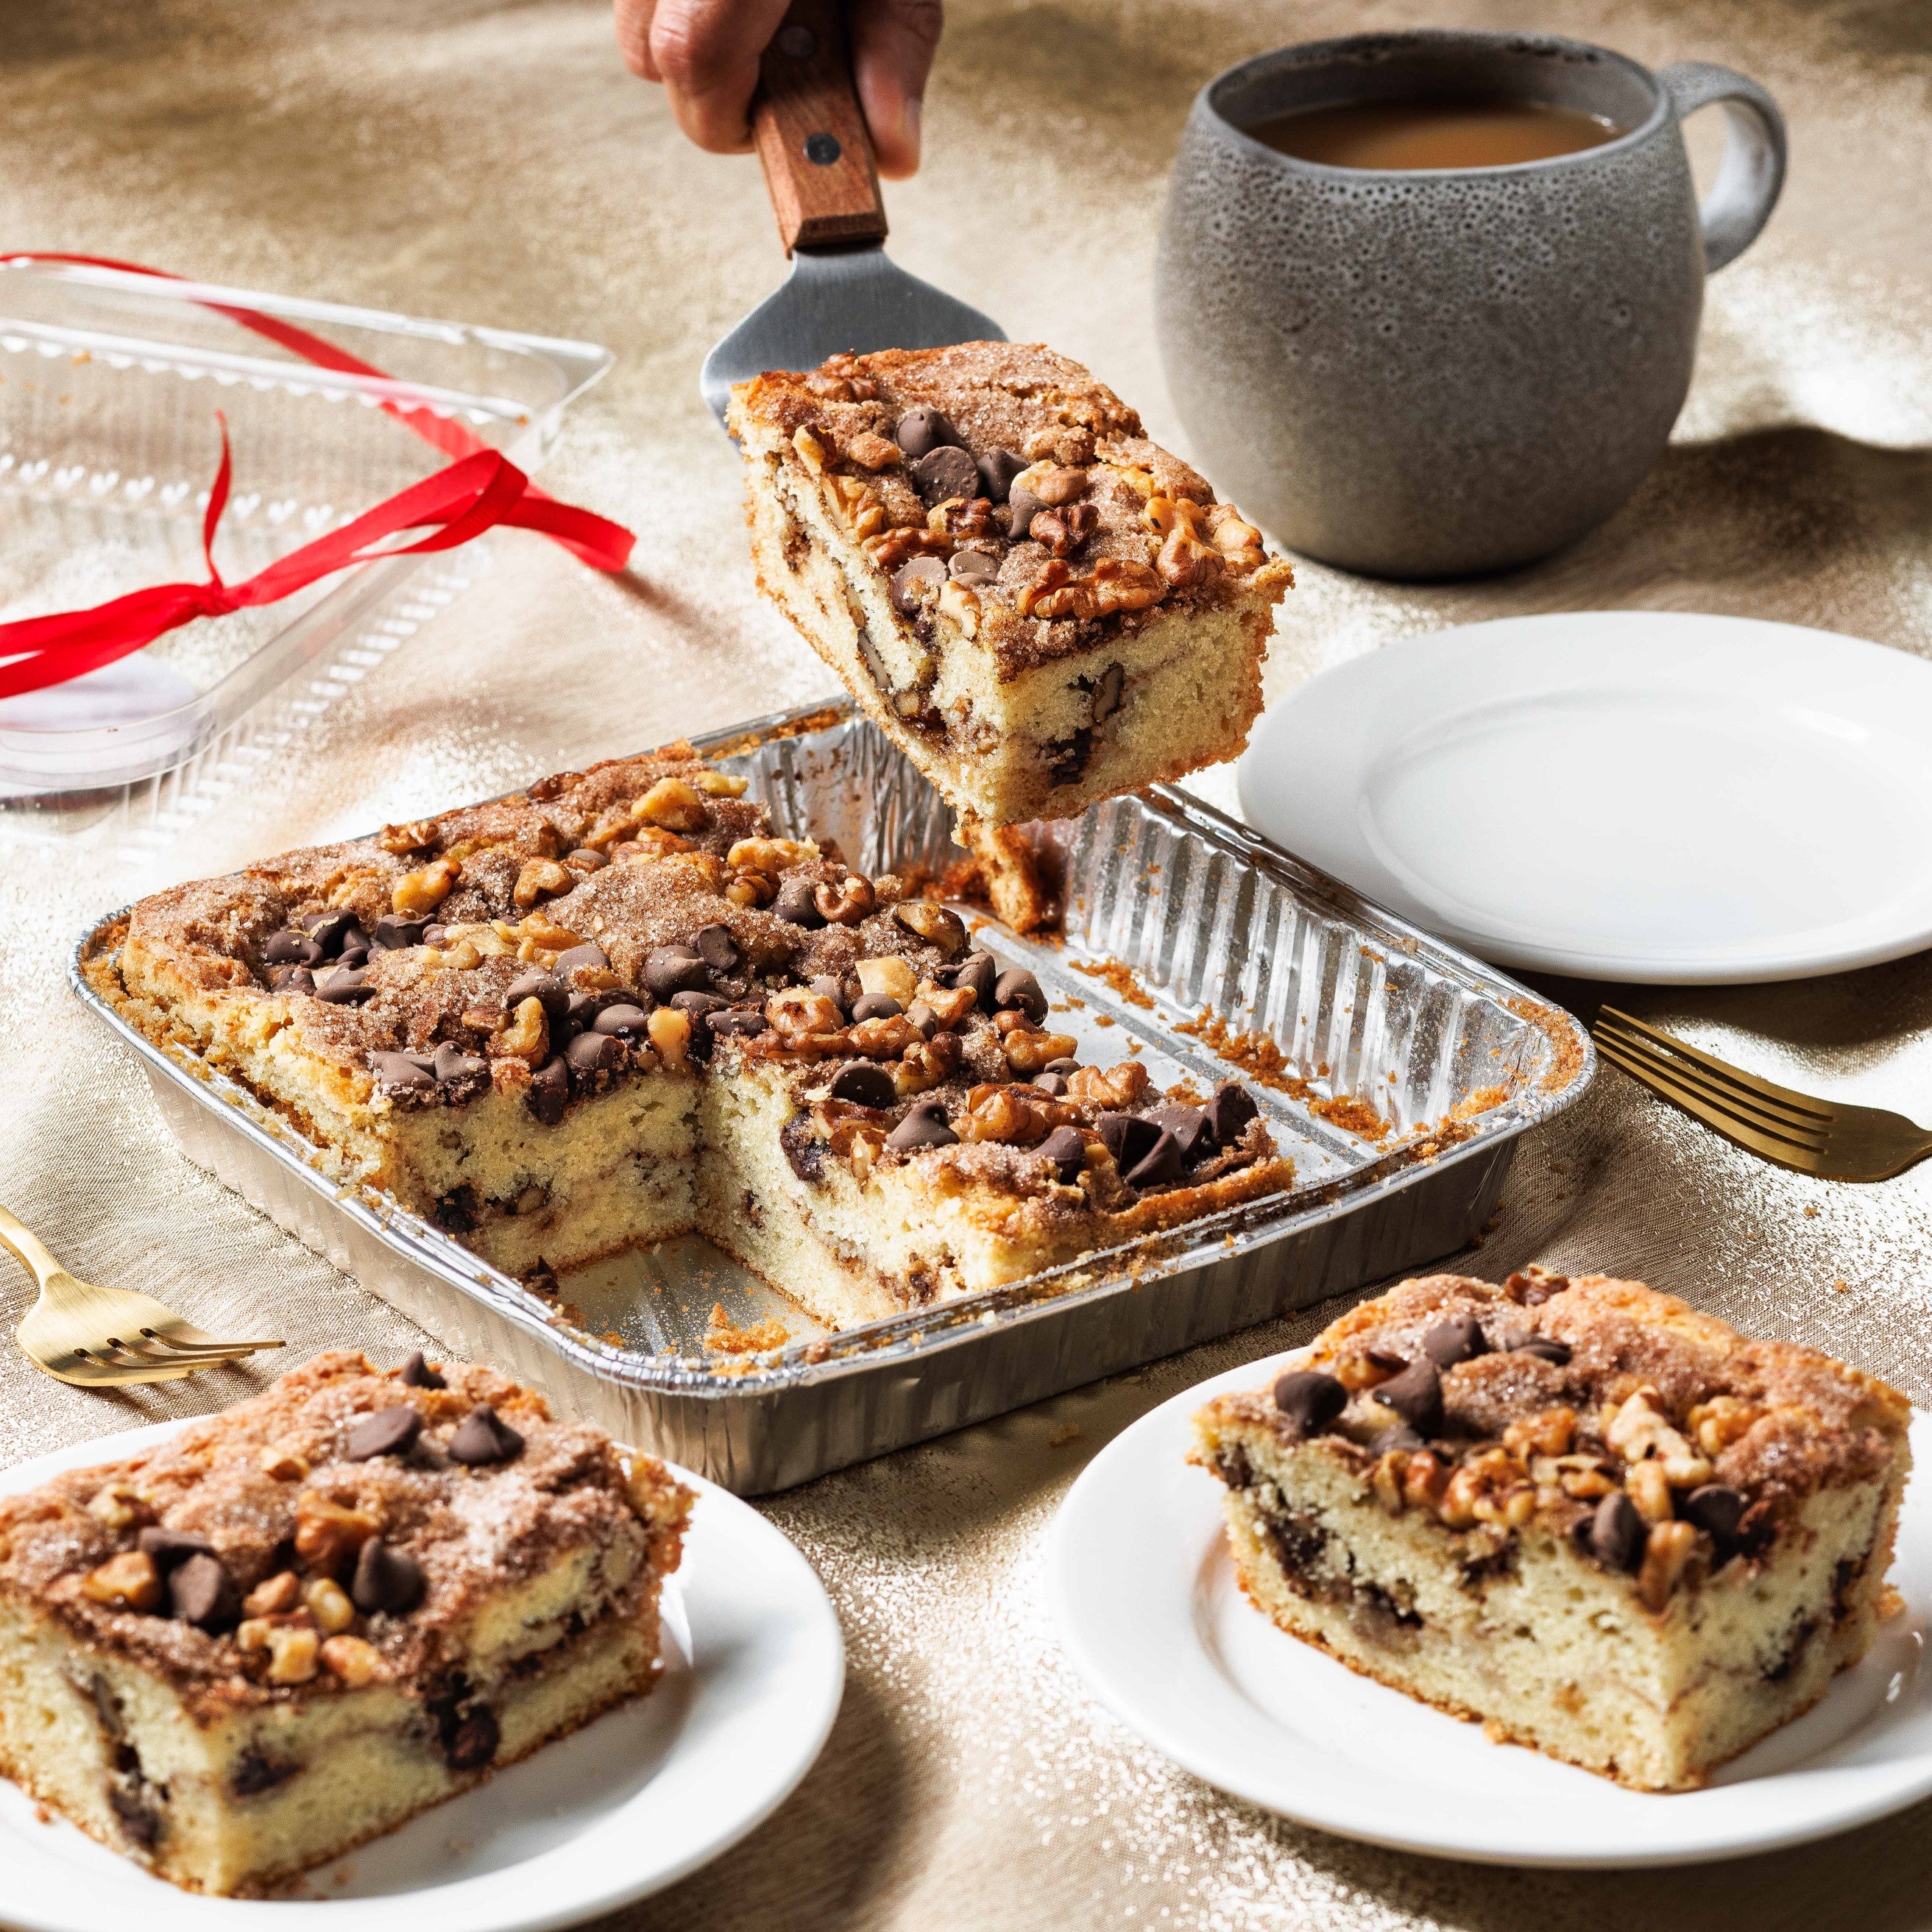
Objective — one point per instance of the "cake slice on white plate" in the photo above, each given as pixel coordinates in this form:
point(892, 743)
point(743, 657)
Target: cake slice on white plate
point(1607, 1526)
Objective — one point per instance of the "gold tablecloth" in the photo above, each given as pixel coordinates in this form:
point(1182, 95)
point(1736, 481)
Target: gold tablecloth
point(490, 160)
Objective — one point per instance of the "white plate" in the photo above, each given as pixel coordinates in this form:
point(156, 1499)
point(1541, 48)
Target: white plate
point(755, 1668)
point(1144, 1593)
point(1630, 795)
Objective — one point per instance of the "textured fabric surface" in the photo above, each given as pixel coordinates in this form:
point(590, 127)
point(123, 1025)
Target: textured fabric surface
point(490, 160)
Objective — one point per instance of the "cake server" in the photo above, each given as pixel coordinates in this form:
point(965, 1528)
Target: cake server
point(843, 293)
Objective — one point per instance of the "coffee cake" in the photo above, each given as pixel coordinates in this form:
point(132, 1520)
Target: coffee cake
point(616, 1008)
point(1608, 1526)
point(287, 1630)
point(1039, 605)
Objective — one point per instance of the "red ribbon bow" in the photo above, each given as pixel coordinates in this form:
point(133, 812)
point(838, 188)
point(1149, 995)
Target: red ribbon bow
point(481, 490)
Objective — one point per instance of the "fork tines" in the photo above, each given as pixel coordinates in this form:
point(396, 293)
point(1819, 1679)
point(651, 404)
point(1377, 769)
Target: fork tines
point(1790, 1128)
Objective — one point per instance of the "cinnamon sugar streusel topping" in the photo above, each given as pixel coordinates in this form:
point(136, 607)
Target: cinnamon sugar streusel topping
point(348, 1526)
point(1664, 1441)
point(642, 920)
point(1001, 485)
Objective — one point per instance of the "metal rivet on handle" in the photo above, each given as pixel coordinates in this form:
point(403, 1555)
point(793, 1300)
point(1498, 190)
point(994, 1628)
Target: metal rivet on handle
point(822, 149)
point(796, 43)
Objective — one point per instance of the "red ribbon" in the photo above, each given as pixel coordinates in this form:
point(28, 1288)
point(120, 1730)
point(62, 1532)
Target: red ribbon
point(479, 491)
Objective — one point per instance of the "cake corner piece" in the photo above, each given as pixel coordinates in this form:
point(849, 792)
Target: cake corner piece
point(1040, 605)
point(290, 1628)
point(1469, 1494)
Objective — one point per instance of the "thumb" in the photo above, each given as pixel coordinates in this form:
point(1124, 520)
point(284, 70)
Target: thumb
point(893, 42)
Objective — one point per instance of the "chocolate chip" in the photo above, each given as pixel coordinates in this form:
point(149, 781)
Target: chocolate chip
point(1229, 1111)
point(697, 1005)
point(1127, 1137)
point(715, 947)
point(906, 598)
point(828, 987)
point(170, 1546)
point(1617, 1533)
point(550, 1090)
point(973, 568)
point(451, 1063)
point(1066, 1148)
point(1016, 988)
point(400, 1072)
point(547, 990)
point(586, 858)
point(944, 473)
point(864, 1084)
point(291, 979)
point(569, 961)
point(593, 1053)
point(290, 948)
point(328, 928)
point(923, 429)
point(978, 974)
point(353, 955)
point(388, 1432)
point(142, 1824)
point(254, 1773)
point(1067, 1067)
point(417, 1373)
point(1415, 1395)
point(1309, 1399)
point(484, 1436)
point(201, 1592)
point(1025, 506)
point(1161, 1163)
point(674, 969)
point(877, 1006)
point(998, 469)
point(393, 933)
point(584, 1008)
point(472, 1743)
point(624, 1020)
point(796, 905)
point(386, 1579)
point(1460, 1338)
point(437, 936)
point(1544, 1349)
point(1053, 1085)
point(344, 987)
point(1188, 1126)
point(925, 1127)
point(736, 1022)
point(1107, 692)
point(1716, 1509)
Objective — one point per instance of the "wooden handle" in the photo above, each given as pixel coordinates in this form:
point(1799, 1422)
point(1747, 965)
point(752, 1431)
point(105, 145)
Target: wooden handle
point(810, 134)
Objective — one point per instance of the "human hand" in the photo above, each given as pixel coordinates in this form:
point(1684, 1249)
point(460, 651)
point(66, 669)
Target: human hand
point(705, 54)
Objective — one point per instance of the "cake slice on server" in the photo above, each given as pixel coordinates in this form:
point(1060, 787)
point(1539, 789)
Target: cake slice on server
point(1609, 1527)
point(1040, 606)
point(287, 1630)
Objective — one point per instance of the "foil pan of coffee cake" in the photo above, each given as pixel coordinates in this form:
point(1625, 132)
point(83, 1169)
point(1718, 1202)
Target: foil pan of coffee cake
point(1397, 1072)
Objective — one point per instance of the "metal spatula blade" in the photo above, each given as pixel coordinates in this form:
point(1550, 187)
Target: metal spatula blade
point(843, 293)
point(857, 299)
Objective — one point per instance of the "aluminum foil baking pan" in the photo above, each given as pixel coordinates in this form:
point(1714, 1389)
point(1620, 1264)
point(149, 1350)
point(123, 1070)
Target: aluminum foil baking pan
point(1197, 925)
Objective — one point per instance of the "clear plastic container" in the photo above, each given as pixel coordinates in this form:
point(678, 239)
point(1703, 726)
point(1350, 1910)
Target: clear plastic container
point(109, 382)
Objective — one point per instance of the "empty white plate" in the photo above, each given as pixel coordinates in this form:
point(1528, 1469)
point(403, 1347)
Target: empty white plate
point(754, 1670)
point(1630, 795)
point(1145, 1599)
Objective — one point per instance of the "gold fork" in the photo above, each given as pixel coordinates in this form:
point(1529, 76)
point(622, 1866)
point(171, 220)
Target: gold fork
point(96, 1336)
point(1829, 1138)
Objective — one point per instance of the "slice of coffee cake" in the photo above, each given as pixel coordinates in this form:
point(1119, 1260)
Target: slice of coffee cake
point(1609, 1527)
point(1039, 605)
point(288, 1629)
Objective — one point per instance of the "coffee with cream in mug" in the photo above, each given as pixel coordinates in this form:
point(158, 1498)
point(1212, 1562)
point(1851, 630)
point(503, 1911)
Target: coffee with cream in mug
point(1428, 302)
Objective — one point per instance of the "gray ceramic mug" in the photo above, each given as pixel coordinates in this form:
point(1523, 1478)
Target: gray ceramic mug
point(1431, 372)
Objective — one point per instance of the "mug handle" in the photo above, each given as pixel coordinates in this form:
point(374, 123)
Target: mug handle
point(1752, 173)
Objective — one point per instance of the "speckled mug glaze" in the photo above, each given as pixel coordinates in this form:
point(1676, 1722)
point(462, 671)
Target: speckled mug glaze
point(1433, 372)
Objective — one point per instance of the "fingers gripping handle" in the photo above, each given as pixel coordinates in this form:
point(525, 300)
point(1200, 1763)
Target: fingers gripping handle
point(1752, 173)
point(810, 134)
